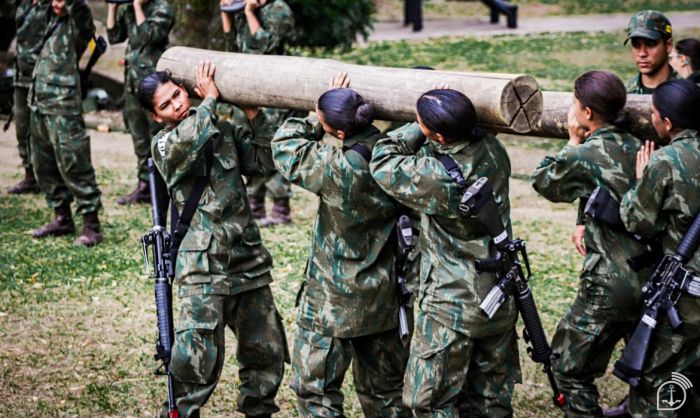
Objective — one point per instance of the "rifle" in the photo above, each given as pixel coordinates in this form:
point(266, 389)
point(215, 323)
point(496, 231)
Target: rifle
point(666, 285)
point(478, 203)
point(100, 48)
point(406, 243)
point(160, 241)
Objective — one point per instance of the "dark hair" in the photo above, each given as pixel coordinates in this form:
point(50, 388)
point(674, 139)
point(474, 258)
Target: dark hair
point(604, 93)
point(679, 101)
point(149, 85)
point(690, 47)
point(345, 110)
point(449, 113)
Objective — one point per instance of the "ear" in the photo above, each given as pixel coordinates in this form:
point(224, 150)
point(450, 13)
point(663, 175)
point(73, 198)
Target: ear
point(156, 118)
point(340, 134)
point(589, 113)
point(440, 138)
point(668, 124)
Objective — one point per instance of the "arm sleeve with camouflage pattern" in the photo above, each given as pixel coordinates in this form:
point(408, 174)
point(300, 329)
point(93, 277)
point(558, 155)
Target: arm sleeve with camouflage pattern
point(182, 150)
point(300, 157)
point(564, 177)
point(641, 206)
point(118, 33)
point(253, 146)
point(155, 29)
point(418, 182)
point(274, 30)
point(81, 19)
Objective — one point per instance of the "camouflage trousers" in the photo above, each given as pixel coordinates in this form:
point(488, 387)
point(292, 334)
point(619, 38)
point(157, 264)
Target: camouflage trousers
point(319, 364)
point(60, 149)
point(198, 353)
point(22, 117)
point(585, 340)
point(444, 365)
point(668, 352)
point(142, 128)
point(276, 186)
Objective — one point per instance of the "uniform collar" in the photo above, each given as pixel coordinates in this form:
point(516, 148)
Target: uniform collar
point(602, 131)
point(451, 148)
point(686, 134)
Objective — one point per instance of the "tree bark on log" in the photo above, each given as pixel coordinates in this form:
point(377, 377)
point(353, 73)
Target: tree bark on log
point(504, 102)
point(556, 108)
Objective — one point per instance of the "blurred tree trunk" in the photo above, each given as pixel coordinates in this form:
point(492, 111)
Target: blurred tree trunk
point(198, 24)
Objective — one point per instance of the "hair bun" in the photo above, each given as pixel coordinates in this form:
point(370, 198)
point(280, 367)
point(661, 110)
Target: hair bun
point(364, 114)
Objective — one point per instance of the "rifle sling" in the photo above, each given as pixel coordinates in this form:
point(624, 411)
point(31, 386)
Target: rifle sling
point(453, 170)
point(184, 219)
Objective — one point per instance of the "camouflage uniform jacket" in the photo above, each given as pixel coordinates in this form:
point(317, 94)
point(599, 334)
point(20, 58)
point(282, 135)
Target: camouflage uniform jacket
point(635, 85)
point(607, 158)
point(351, 288)
point(222, 253)
point(276, 30)
point(664, 203)
point(147, 41)
point(31, 23)
point(56, 87)
point(450, 287)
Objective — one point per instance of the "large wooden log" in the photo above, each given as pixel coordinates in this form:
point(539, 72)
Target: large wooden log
point(556, 109)
point(504, 102)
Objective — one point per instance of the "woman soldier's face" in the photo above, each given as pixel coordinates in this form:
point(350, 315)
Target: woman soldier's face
point(171, 104)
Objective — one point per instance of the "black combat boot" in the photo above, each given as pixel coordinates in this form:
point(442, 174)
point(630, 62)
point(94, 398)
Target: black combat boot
point(281, 213)
point(90, 235)
point(141, 194)
point(257, 207)
point(27, 185)
point(62, 224)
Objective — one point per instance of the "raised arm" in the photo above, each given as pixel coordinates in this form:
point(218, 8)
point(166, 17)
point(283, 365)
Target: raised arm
point(155, 27)
point(299, 155)
point(418, 182)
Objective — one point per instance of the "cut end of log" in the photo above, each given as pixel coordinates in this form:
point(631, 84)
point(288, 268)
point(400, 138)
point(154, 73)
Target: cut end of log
point(522, 104)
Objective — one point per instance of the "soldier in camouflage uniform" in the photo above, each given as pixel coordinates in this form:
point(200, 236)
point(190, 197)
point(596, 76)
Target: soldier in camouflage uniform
point(663, 204)
point(60, 145)
point(651, 35)
point(264, 27)
point(222, 269)
point(606, 308)
point(348, 310)
point(455, 345)
point(31, 23)
point(146, 24)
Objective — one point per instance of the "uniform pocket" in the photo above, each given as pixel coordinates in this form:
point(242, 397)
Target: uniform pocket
point(425, 373)
point(195, 353)
point(309, 368)
point(192, 263)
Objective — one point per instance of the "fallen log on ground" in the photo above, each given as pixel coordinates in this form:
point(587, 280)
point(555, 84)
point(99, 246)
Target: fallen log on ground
point(504, 102)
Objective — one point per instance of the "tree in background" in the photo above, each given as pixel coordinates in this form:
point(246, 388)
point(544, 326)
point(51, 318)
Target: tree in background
point(319, 23)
